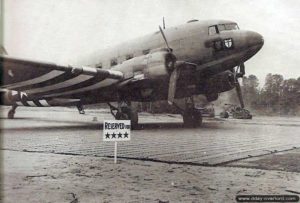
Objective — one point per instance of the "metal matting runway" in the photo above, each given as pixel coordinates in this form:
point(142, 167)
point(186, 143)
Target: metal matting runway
point(64, 131)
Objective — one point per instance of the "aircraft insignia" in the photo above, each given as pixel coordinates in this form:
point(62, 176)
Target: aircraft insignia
point(228, 43)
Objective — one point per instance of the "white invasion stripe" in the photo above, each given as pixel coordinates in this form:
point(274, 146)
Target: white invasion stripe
point(98, 85)
point(31, 103)
point(13, 93)
point(44, 102)
point(63, 84)
point(42, 78)
point(19, 103)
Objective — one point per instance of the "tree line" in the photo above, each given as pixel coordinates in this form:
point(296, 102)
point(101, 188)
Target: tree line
point(278, 96)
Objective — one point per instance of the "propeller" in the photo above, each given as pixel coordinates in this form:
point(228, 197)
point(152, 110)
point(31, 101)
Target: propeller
point(165, 39)
point(174, 73)
point(3, 50)
point(238, 75)
point(239, 93)
point(172, 85)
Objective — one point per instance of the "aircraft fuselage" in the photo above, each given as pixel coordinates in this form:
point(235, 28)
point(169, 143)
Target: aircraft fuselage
point(212, 46)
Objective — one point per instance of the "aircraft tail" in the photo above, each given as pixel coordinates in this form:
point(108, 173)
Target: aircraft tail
point(3, 50)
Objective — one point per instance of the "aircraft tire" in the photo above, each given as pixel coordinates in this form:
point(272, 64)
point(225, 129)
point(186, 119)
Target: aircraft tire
point(192, 118)
point(128, 114)
point(121, 116)
point(134, 119)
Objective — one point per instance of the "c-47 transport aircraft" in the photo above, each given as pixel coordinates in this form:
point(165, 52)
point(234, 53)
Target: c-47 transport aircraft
point(199, 57)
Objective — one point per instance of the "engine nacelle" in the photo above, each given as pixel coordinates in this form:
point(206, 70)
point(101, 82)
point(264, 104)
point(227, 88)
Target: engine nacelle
point(159, 64)
point(221, 82)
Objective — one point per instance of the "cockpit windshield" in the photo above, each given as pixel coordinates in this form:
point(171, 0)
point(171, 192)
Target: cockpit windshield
point(229, 26)
point(215, 29)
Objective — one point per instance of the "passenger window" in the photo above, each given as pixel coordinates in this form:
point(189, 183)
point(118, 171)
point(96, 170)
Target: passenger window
point(99, 65)
point(113, 62)
point(212, 30)
point(145, 52)
point(129, 56)
point(181, 43)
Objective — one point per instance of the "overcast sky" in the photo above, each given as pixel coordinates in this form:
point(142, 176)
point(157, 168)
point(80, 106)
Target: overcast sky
point(62, 31)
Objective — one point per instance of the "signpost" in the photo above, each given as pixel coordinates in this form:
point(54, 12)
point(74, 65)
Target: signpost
point(116, 130)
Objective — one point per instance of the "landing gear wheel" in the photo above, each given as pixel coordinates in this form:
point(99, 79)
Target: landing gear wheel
point(192, 118)
point(121, 116)
point(128, 113)
point(134, 119)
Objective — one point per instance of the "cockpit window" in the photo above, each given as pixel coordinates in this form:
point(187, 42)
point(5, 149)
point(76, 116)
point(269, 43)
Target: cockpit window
point(229, 26)
point(216, 29)
point(221, 27)
point(212, 30)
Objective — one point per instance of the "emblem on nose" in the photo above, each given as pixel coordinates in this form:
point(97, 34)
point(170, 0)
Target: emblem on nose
point(228, 43)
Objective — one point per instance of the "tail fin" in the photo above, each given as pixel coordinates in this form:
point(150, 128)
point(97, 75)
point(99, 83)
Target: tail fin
point(3, 50)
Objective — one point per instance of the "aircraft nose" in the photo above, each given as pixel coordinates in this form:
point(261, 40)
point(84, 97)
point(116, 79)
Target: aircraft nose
point(254, 39)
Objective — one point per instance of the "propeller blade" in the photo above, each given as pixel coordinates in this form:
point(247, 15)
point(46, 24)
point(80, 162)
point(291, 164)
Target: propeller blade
point(239, 93)
point(165, 39)
point(242, 69)
point(172, 85)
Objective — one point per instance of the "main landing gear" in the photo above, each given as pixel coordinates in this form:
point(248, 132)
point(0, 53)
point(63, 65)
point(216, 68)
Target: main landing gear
point(124, 111)
point(11, 112)
point(192, 117)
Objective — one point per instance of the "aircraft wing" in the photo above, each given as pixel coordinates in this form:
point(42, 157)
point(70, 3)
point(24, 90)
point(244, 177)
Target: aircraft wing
point(40, 78)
